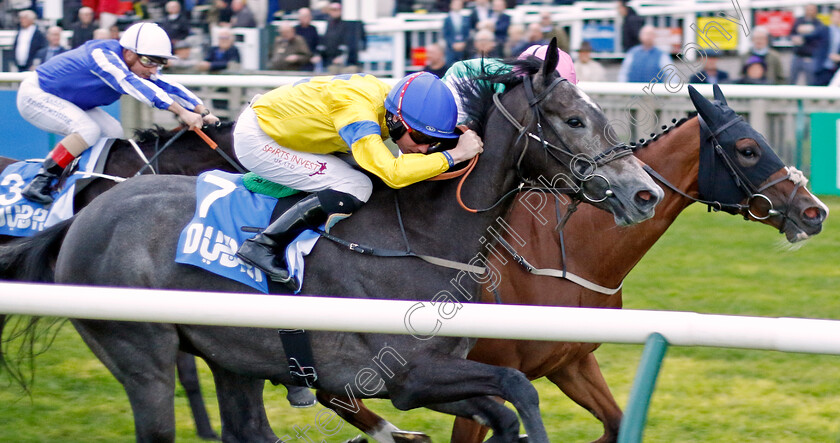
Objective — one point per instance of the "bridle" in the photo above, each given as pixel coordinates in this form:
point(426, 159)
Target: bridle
point(748, 188)
point(581, 165)
point(576, 193)
point(750, 191)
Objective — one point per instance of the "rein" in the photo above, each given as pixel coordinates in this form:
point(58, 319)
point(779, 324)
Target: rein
point(577, 195)
point(212, 144)
point(611, 154)
point(737, 175)
point(159, 152)
point(602, 158)
point(463, 173)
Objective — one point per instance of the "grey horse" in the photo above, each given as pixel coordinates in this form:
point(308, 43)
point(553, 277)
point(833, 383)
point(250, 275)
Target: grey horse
point(128, 237)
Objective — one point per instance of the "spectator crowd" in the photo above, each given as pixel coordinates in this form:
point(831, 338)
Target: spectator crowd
point(477, 28)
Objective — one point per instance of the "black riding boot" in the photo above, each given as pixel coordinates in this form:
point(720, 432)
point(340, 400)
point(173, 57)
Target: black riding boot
point(40, 188)
point(262, 250)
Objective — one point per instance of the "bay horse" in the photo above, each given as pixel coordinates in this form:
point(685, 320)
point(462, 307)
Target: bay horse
point(679, 157)
point(138, 251)
point(170, 152)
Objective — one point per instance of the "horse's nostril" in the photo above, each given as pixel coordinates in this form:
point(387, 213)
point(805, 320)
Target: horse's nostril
point(813, 215)
point(645, 199)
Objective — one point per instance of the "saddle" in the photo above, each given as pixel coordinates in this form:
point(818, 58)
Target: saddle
point(228, 213)
point(254, 189)
point(20, 217)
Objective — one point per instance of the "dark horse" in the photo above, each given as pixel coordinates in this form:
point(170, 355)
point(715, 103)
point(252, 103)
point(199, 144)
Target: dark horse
point(133, 230)
point(606, 256)
point(183, 153)
point(187, 155)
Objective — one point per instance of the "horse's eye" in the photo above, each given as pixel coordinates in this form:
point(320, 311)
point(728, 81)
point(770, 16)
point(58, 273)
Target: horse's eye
point(748, 152)
point(574, 123)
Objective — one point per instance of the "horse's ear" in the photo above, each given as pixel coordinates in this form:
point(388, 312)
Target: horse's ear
point(704, 107)
point(551, 60)
point(719, 94)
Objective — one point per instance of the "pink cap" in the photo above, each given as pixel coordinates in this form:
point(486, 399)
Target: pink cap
point(565, 67)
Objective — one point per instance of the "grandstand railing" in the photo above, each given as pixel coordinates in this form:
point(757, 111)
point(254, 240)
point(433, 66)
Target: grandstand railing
point(781, 113)
point(391, 38)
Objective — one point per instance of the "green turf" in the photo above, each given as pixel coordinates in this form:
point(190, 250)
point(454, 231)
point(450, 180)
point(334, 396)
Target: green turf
point(711, 263)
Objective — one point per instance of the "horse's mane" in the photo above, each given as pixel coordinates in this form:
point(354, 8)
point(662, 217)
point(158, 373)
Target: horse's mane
point(477, 95)
point(642, 143)
point(157, 132)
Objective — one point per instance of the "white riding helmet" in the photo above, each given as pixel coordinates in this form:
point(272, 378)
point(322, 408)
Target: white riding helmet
point(147, 39)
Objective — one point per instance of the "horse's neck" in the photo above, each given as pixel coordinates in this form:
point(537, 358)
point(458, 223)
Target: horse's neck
point(675, 156)
point(188, 155)
point(431, 209)
point(123, 160)
point(595, 248)
point(6, 161)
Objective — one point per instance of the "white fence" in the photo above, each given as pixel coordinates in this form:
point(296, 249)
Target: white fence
point(422, 319)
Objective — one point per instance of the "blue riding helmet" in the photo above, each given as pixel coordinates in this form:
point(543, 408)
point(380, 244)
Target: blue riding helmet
point(425, 104)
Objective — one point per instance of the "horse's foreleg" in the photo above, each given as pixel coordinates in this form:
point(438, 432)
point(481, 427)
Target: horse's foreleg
point(241, 407)
point(362, 418)
point(467, 430)
point(448, 380)
point(188, 376)
point(584, 383)
point(486, 410)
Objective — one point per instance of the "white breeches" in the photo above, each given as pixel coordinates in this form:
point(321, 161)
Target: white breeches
point(59, 116)
point(303, 171)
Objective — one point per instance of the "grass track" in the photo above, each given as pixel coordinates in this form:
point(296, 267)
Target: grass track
point(711, 263)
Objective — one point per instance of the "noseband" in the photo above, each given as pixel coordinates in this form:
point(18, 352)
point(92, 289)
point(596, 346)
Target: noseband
point(581, 165)
point(741, 181)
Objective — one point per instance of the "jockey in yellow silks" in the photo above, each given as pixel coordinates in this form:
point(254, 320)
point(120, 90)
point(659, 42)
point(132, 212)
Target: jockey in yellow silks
point(290, 134)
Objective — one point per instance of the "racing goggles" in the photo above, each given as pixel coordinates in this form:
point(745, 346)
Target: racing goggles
point(423, 139)
point(152, 62)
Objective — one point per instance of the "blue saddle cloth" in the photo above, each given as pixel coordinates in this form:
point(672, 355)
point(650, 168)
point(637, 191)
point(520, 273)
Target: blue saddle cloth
point(20, 217)
point(210, 240)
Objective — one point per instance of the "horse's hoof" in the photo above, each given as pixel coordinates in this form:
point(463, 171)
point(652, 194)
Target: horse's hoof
point(410, 437)
point(300, 397)
point(211, 436)
point(523, 438)
point(357, 439)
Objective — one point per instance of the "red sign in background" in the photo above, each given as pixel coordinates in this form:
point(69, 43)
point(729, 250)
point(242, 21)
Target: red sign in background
point(779, 23)
point(418, 56)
